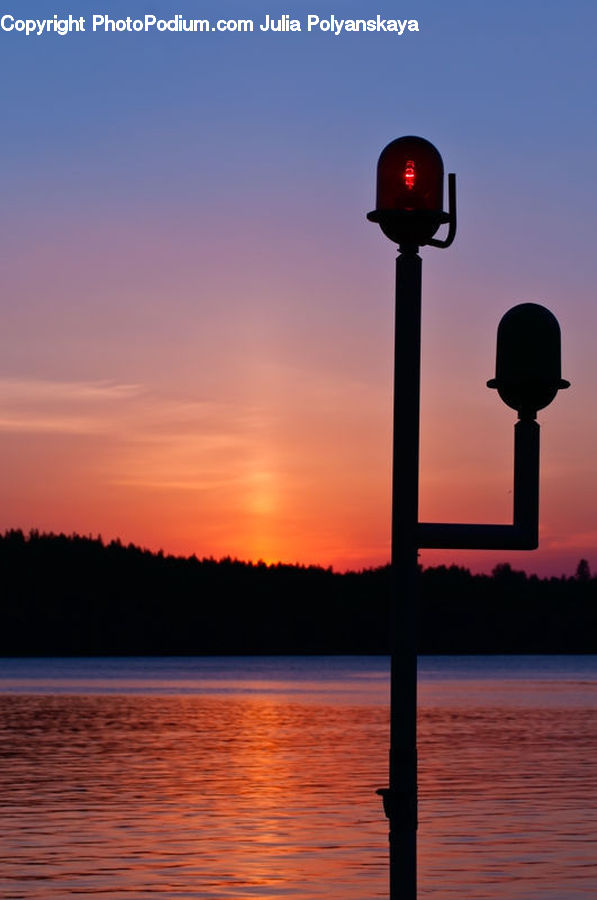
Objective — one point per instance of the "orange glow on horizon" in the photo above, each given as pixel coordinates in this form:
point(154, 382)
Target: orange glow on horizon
point(278, 486)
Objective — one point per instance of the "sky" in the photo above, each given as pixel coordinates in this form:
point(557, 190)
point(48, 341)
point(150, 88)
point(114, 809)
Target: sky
point(197, 318)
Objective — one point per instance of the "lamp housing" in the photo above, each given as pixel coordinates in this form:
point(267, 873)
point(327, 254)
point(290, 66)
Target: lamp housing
point(528, 359)
point(410, 192)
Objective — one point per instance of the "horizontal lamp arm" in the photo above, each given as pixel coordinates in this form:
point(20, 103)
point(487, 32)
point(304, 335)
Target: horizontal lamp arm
point(441, 536)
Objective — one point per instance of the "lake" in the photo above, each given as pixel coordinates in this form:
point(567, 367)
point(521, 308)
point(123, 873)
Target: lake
point(238, 778)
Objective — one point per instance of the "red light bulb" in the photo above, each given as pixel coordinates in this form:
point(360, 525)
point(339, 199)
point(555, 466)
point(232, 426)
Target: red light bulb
point(409, 174)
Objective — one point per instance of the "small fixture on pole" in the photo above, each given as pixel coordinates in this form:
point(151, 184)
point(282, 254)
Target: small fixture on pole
point(528, 370)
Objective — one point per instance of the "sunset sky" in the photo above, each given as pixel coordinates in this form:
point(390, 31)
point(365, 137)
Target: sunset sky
point(196, 340)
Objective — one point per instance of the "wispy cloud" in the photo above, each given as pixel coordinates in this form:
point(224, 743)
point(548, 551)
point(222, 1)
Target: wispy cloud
point(66, 407)
point(148, 439)
point(34, 389)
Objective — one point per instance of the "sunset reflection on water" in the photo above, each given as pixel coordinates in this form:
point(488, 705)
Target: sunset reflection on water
point(267, 794)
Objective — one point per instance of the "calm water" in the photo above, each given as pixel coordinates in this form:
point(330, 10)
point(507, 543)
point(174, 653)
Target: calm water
point(232, 779)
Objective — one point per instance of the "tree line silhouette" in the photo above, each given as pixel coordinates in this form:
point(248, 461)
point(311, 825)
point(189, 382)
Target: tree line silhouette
point(78, 595)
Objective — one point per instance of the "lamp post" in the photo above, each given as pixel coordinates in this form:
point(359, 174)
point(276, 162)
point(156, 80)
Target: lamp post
point(409, 211)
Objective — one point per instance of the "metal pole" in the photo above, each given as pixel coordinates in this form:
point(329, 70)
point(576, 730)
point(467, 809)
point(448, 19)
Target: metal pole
point(526, 479)
point(400, 801)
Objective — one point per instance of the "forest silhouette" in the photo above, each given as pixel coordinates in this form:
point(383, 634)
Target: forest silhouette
point(78, 595)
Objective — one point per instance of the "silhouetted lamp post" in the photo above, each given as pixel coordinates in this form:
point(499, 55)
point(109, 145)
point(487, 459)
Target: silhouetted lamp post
point(410, 196)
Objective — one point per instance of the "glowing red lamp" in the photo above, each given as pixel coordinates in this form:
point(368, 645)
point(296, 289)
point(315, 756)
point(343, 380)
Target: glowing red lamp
point(410, 193)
